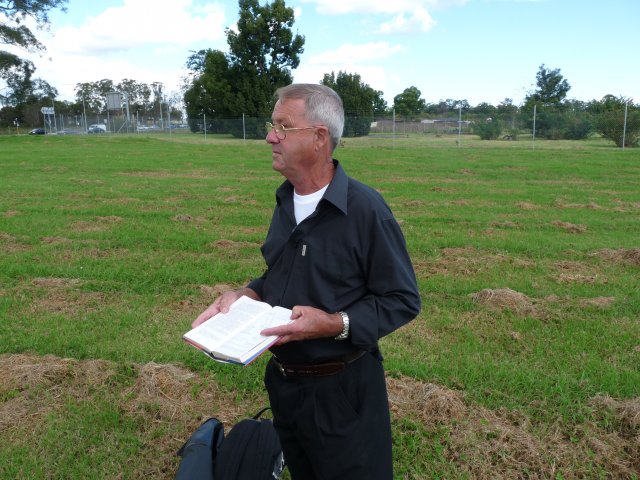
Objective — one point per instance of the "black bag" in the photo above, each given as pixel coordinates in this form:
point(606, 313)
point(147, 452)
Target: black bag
point(251, 451)
point(200, 451)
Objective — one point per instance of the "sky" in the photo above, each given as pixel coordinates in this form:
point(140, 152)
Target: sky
point(474, 50)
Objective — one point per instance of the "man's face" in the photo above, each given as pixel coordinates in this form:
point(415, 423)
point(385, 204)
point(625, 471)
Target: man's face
point(295, 153)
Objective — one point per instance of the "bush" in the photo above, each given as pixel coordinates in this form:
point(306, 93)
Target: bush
point(488, 129)
point(578, 127)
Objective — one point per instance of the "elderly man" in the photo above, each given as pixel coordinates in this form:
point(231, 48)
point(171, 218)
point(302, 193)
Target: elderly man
point(336, 256)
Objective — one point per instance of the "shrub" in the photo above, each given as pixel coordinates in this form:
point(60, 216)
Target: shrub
point(488, 129)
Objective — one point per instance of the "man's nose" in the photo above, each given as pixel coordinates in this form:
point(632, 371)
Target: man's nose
point(272, 137)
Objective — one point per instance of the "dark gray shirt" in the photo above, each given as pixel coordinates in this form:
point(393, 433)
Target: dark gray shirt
point(348, 255)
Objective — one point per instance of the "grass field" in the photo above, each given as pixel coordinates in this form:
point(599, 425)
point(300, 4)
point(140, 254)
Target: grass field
point(524, 362)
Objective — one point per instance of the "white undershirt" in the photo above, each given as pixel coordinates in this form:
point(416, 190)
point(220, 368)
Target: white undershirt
point(304, 205)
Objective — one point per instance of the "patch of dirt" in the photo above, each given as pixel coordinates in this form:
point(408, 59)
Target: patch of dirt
point(527, 206)
point(56, 240)
point(505, 299)
point(13, 244)
point(225, 244)
point(600, 302)
point(622, 255)
point(214, 291)
point(579, 278)
point(465, 261)
point(10, 213)
point(505, 224)
point(569, 227)
point(61, 296)
point(590, 205)
point(54, 282)
point(577, 272)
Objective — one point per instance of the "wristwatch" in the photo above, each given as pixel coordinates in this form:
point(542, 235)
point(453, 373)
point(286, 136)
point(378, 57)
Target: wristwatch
point(345, 326)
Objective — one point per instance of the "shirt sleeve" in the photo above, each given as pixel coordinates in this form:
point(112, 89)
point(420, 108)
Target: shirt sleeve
point(392, 297)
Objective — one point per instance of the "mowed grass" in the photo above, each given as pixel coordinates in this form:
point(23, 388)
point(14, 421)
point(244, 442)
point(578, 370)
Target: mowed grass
point(524, 362)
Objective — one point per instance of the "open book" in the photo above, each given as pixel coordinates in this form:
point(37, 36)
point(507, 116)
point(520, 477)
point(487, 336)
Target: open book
point(234, 337)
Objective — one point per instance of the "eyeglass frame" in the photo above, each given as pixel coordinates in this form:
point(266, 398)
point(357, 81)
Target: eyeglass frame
point(280, 129)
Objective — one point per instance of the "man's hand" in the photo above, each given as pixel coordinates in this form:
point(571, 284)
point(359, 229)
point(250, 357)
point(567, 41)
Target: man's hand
point(222, 304)
point(308, 323)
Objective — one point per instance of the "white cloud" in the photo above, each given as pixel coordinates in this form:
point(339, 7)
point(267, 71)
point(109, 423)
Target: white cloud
point(363, 59)
point(142, 40)
point(419, 21)
point(350, 54)
point(406, 15)
point(142, 22)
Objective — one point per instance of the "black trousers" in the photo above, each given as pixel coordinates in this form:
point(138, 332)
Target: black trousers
point(334, 427)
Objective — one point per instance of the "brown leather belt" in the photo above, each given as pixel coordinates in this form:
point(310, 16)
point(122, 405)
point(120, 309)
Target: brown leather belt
point(315, 369)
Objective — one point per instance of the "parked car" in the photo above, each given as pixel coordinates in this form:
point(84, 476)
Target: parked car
point(37, 131)
point(95, 130)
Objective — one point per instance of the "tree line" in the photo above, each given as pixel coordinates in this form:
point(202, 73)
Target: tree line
point(263, 51)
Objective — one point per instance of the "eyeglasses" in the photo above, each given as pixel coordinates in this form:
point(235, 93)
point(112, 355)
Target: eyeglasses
point(281, 130)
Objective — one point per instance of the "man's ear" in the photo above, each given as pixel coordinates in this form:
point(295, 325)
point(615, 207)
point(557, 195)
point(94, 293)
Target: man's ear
point(322, 137)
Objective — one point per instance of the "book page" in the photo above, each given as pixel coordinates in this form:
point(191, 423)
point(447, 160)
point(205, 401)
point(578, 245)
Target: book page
point(235, 336)
point(248, 338)
point(278, 316)
point(221, 327)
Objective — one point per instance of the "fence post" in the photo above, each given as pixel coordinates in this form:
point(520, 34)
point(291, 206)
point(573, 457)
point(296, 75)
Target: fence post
point(624, 126)
point(533, 144)
point(204, 117)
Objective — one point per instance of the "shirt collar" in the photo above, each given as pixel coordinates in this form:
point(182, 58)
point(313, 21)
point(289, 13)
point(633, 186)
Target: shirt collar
point(336, 193)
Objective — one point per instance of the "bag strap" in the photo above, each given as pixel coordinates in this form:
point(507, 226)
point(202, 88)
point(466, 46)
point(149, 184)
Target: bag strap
point(259, 414)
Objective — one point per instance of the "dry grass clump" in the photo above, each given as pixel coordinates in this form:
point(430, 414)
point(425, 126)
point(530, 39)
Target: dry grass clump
point(623, 255)
point(431, 403)
point(590, 205)
point(52, 377)
point(170, 401)
point(465, 261)
point(488, 444)
point(527, 206)
point(60, 295)
point(55, 282)
point(569, 227)
point(600, 302)
point(505, 299)
point(161, 397)
point(627, 412)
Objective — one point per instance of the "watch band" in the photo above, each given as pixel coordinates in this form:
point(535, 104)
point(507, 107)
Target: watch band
point(345, 326)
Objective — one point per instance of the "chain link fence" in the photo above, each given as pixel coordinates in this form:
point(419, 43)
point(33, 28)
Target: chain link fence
point(621, 127)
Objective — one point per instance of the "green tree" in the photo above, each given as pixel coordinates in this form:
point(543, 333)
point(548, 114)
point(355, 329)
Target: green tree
point(408, 103)
point(609, 120)
point(93, 94)
point(13, 14)
point(262, 53)
point(549, 100)
point(358, 100)
point(380, 106)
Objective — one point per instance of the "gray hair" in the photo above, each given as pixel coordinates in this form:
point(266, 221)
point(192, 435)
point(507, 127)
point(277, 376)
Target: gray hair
point(322, 106)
